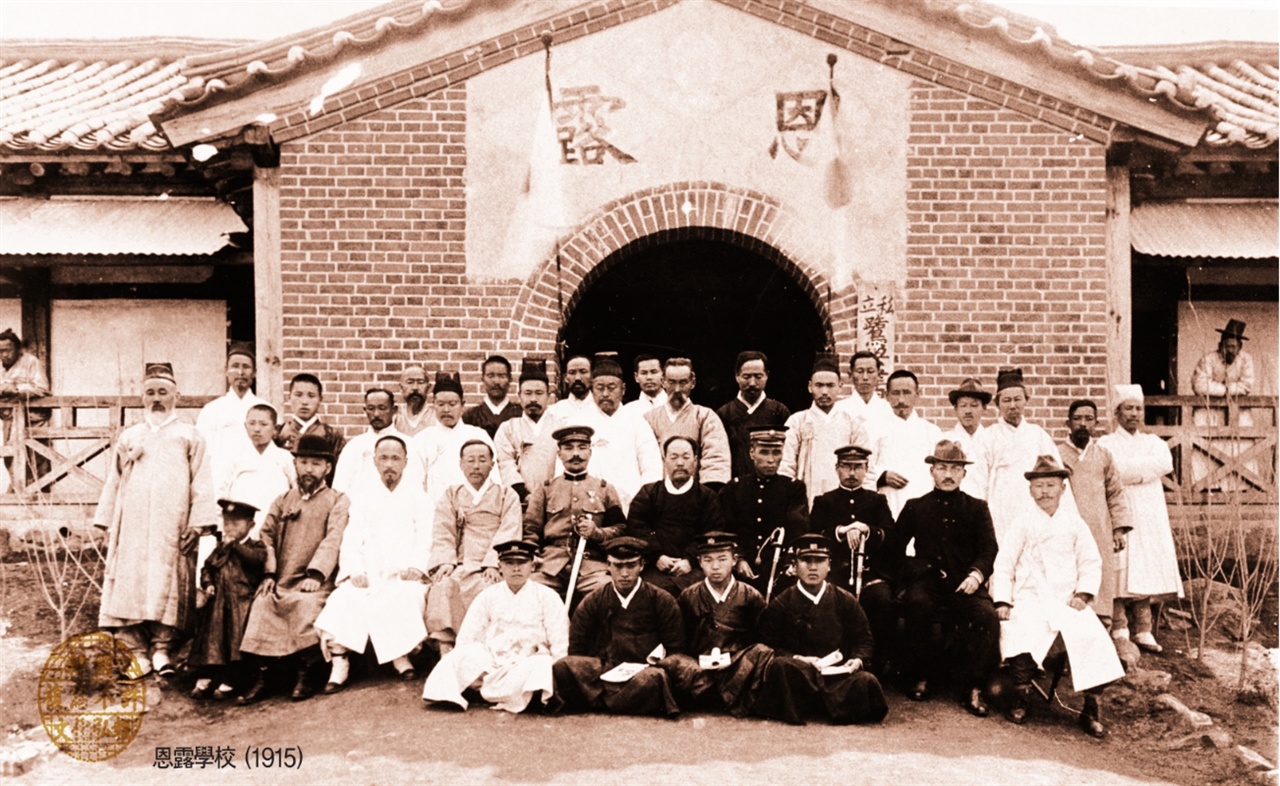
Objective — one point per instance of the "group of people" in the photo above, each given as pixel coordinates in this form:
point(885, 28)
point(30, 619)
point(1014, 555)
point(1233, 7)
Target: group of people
point(590, 555)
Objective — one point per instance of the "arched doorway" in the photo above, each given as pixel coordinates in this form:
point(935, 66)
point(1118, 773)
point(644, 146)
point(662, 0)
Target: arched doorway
point(706, 295)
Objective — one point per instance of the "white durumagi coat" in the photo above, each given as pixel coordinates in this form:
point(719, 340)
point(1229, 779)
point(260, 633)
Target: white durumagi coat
point(1001, 457)
point(1149, 564)
point(809, 452)
point(1042, 563)
point(901, 447)
point(388, 532)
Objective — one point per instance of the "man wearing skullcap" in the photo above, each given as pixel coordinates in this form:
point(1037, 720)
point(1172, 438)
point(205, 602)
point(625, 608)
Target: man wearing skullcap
point(814, 434)
point(156, 502)
point(438, 446)
point(1007, 449)
point(516, 437)
point(751, 408)
point(221, 421)
point(495, 408)
point(1149, 563)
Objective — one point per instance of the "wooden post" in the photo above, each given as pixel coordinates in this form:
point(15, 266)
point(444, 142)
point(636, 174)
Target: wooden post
point(1119, 279)
point(267, 295)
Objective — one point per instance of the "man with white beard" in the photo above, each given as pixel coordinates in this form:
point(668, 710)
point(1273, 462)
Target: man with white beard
point(417, 412)
point(380, 595)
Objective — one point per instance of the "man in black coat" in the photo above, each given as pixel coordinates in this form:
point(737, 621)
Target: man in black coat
point(859, 518)
point(670, 515)
point(954, 552)
point(754, 505)
point(821, 643)
point(751, 409)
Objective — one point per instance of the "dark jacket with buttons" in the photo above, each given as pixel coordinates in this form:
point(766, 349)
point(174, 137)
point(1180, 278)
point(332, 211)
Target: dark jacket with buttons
point(841, 506)
point(953, 534)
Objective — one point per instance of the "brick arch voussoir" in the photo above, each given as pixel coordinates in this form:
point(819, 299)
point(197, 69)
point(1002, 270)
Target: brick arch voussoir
point(742, 216)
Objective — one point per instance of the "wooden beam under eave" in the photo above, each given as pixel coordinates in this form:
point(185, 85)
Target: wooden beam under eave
point(1034, 69)
point(268, 296)
point(1119, 279)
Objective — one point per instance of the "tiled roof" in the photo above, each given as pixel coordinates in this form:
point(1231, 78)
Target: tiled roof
point(176, 226)
point(100, 103)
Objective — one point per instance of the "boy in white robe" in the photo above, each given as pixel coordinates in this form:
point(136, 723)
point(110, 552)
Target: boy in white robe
point(1046, 573)
point(380, 596)
point(513, 633)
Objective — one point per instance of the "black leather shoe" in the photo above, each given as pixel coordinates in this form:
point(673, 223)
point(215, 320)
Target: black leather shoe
point(255, 692)
point(919, 691)
point(331, 688)
point(974, 703)
point(1090, 720)
point(408, 675)
point(302, 689)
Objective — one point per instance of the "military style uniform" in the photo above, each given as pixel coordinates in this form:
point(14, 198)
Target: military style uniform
point(752, 506)
point(553, 510)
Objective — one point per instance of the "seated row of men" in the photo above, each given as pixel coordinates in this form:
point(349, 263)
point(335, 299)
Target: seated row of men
point(379, 599)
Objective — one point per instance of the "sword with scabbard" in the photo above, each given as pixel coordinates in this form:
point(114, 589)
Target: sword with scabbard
point(776, 539)
point(578, 554)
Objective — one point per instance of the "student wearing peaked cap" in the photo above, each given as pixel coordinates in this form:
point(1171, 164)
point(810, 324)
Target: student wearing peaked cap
point(1006, 449)
point(813, 434)
point(751, 408)
point(516, 437)
point(812, 621)
point(627, 621)
point(1149, 563)
point(512, 635)
point(228, 581)
point(955, 548)
point(156, 502)
point(495, 408)
point(856, 518)
point(722, 628)
point(1047, 572)
point(754, 505)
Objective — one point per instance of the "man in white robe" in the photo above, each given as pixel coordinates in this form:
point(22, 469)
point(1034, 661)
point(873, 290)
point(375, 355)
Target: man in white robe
point(1227, 372)
point(221, 421)
point(468, 520)
point(356, 472)
point(157, 500)
point(1149, 565)
point(517, 437)
point(969, 401)
point(1046, 574)
point(1007, 449)
point(577, 402)
point(813, 434)
point(438, 446)
point(262, 471)
point(513, 633)
point(648, 375)
point(903, 443)
point(866, 405)
point(380, 597)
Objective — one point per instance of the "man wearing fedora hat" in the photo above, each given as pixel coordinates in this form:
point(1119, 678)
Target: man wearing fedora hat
point(302, 536)
point(1005, 450)
point(1045, 576)
point(954, 550)
point(156, 502)
point(512, 635)
point(969, 401)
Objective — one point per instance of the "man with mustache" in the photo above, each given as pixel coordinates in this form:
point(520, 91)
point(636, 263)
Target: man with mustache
point(495, 408)
point(155, 504)
point(416, 414)
point(380, 595)
point(1099, 493)
point(577, 402)
point(902, 443)
point(302, 536)
point(750, 409)
point(954, 551)
point(356, 472)
point(680, 417)
point(517, 436)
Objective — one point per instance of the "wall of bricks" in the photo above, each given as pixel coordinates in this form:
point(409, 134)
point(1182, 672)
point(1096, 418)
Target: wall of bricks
point(372, 253)
point(1006, 255)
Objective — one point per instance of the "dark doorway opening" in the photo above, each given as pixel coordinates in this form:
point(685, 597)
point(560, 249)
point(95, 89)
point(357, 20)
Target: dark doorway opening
point(705, 299)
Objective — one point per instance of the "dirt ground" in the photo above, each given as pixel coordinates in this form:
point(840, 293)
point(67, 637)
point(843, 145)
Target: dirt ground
point(378, 731)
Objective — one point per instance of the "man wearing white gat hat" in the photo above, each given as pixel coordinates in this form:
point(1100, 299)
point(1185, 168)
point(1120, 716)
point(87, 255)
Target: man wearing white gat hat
point(1149, 566)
